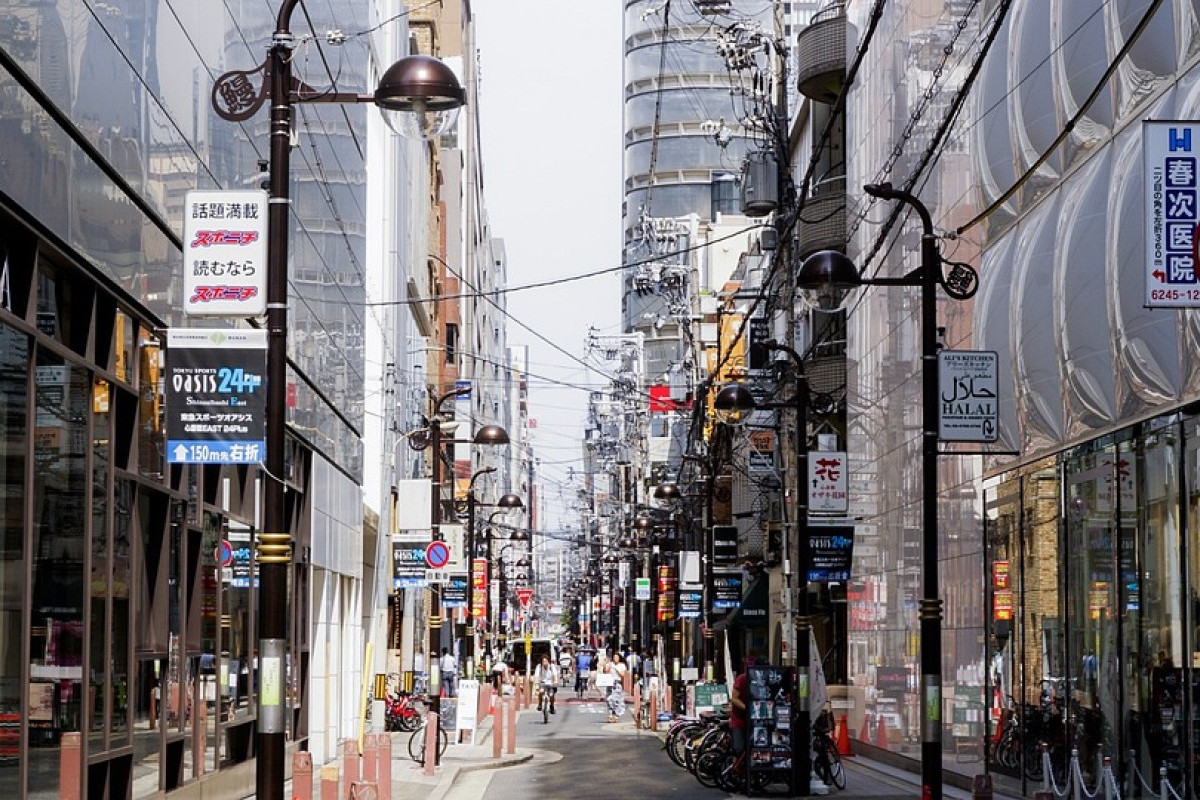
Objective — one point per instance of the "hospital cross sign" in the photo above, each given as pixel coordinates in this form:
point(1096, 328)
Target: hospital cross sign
point(1169, 152)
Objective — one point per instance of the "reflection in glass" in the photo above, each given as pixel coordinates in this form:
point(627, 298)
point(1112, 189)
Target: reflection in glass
point(60, 519)
point(14, 410)
point(100, 685)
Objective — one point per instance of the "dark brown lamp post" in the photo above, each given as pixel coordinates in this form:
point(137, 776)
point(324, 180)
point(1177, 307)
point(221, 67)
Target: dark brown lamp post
point(507, 502)
point(416, 85)
point(830, 276)
point(487, 435)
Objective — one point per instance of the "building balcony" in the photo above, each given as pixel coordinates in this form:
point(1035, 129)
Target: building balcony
point(822, 224)
point(821, 54)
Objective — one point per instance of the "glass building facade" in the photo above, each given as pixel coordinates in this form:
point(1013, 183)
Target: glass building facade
point(1069, 566)
point(128, 624)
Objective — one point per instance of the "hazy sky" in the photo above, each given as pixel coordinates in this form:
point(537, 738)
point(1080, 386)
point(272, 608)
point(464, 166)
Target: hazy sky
point(550, 119)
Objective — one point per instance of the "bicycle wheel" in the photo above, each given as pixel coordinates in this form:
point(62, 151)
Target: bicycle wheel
point(833, 763)
point(545, 711)
point(677, 741)
point(708, 768)
point(416, 745)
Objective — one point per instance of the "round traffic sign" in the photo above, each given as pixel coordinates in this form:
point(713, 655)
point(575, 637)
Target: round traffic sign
point(437, 555)
point(224, 554)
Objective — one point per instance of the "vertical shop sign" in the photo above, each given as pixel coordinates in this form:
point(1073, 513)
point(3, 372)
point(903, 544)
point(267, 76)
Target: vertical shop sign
point(225, 253)
point(666, 593)
point(1169, 155)
point(215, 400)
point(479, 587)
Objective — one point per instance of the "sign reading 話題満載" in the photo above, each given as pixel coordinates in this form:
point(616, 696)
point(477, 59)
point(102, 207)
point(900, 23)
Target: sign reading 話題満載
point(215, 398)
point(1169, 151)
point(225, 253)
point(968, 407)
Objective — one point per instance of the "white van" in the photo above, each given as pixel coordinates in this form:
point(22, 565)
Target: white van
point(540, 646)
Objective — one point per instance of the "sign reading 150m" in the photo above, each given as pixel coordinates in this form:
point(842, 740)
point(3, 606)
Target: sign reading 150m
point(215, 398)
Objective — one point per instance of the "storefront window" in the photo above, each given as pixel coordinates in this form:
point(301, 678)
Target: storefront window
point(14, 412)
point(60, 518)
point(100, 682)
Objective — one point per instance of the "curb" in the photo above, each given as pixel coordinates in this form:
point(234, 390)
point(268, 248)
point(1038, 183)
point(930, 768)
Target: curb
point(451, 775)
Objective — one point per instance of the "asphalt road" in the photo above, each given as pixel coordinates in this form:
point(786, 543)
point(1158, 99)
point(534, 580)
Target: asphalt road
point(581, 757)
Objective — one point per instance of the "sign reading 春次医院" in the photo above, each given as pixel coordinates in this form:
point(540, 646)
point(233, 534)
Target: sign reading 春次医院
point(1169, 153)
point(225, 253)
point(968, 384)
point(215, 397)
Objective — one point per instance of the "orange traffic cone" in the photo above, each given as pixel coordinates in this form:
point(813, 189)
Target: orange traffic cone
point(843, 739)
point(865, 734)
point(881, 739)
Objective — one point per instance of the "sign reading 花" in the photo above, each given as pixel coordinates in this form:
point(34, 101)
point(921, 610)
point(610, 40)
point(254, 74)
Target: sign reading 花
point(828, 483)
point(1169, 156)
point(225, 253)
point(968, 410)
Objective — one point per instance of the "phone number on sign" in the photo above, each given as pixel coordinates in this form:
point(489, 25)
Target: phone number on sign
point(1175, 294)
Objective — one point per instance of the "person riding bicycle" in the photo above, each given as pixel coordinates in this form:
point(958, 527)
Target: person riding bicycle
point(546, 678)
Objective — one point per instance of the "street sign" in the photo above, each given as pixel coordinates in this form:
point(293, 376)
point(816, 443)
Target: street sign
point(525, 595)
point(641, 589)
point(215, 398)
point(225, 253)
point(968, 410)
point(1169, 151)
point(437, 555)
point(408, 564)
point(828, 482)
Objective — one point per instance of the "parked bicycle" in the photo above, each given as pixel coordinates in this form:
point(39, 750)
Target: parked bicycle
point(416, 743)
point(827, 762)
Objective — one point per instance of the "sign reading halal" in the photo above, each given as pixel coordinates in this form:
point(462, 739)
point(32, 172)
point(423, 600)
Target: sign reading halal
point(968, 410)
point(216, 405)
point(225, 253)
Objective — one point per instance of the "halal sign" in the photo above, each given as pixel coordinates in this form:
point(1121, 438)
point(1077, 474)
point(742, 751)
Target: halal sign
point(968, 409)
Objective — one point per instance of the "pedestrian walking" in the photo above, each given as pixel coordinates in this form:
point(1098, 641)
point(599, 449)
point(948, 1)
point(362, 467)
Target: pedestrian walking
point(614, 670)
point(449, 668)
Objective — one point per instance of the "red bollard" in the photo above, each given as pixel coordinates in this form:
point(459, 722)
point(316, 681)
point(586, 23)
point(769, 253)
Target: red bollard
point(69, 765)
point(637, 706)
point(329, 782)
point(653, 711)
point(368, 760)
point(383, 769)
point(497, 725)
point(350, 762)
point(511, 728)
point(431, 743)
point(302, 776)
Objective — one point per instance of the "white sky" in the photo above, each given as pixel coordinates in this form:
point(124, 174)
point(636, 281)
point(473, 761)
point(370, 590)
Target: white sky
point(550, 120)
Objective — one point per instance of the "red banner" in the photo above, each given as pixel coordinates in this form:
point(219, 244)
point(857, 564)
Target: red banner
point(479, 593)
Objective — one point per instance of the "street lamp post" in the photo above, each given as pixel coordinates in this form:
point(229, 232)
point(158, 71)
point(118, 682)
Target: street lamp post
point(418, 84)
point(489, 435)
point(736, 397)
point(505, 503)
point(832, 275)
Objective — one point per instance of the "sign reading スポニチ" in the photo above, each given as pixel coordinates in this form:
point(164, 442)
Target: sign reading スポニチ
point(225, 253)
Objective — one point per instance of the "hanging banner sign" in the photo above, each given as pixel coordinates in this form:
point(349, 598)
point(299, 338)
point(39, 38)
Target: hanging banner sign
point(724, 545)
point(225, 253)
point(215, 398)
point(727, 590)
point(828, 482)
point(1172, 213)
point(830, 550)
point(479, 587)
point(408, 564)
point(641, 588)
point(690, 603)
point(454, 591)
point(666, 593)
point(968, 384)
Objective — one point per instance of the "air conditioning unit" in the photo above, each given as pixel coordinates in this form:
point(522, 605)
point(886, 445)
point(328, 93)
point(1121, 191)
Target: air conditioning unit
point(760, 184)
